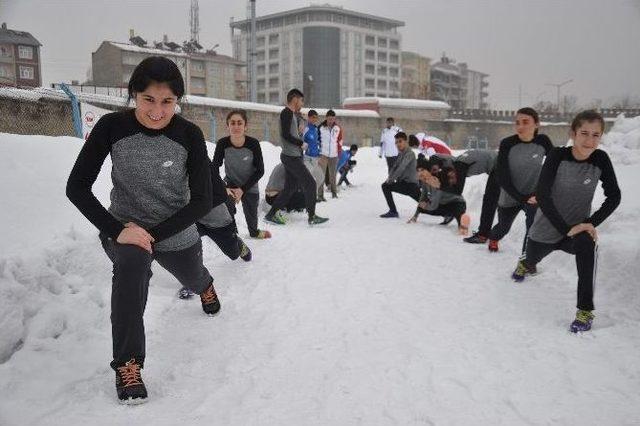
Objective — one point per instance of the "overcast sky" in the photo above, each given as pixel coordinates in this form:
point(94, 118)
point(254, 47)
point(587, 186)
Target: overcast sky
point(519, 43)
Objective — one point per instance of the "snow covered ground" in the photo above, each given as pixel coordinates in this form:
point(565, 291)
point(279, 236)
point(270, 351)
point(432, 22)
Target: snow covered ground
point(361, 321)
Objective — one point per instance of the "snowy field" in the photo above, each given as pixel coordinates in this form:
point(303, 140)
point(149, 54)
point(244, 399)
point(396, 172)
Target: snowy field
point(361, 321)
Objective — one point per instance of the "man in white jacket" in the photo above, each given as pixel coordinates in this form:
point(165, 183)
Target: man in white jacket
point(330, 147)
point(388, 142)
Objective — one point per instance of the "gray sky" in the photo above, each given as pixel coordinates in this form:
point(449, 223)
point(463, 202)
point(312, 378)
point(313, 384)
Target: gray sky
point(526, 43)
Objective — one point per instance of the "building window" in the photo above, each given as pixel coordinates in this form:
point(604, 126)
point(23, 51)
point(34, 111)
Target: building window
point(393, 72)
point(26, 73)
point(370, 83)
point(261, 98)
point(393, 58)
point(274, 82)
point(394, 44)
point(260, 55)
point(274, 68)
point(273, 39)
point(5, 51)
point(382, 70)
point(369, 69)
point(197, 83)
point(382, 42)
point(197, 66)
point(369, 54)
point(382, 84)
point(25, 52)
point(260, 42)
point(261, 84)
point(273, 53)
point(5, 72)
point(370, 40)
point(393, 85)
point(382, 56)
point(274, 97)
point(261, 69)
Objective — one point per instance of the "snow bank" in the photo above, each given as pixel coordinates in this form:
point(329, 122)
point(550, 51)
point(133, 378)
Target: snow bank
point(622, 142)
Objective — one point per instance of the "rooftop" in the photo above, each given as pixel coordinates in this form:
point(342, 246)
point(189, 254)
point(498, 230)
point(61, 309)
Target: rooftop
point(179, 53)
point(17, 37)
point(319, 8)
point(397, 102)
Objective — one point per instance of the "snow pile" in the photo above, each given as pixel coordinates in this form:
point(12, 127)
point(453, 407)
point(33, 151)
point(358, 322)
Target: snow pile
point(622, 142)
point(360, 321)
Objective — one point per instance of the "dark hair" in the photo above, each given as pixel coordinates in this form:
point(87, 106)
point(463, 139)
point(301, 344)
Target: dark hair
point(312, 113)
point(531, 113)
point(330, 113)
point(422, 163)
point(242, 113)
point(589, 116)
point(353, 147)
point(390, 119)
point(156, 69)
point(294, 93)
point(401, 135)
point(413, 141)
point(434, 161)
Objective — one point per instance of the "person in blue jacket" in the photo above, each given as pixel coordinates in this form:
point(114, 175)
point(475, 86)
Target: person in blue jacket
point(311, 138)
point(346, 164)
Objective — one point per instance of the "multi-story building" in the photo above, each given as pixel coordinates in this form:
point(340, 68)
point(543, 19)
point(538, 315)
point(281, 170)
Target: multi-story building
point(329, 52)
point(416, 76)
point(205, 73)
point(19, 59)
point(476, 89)
point(459, 86)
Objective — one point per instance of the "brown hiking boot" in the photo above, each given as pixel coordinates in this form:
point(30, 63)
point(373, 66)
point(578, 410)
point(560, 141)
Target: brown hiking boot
point(129, 384)
point(210, 302)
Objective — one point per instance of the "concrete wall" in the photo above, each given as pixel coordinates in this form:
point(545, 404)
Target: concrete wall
point(53, 117)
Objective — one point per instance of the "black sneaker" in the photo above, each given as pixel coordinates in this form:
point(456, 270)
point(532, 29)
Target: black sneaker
point(334, 195)
point(476, 238)
point(184, 293)
point(316, 220)
point(210, 302)
point(245, 251)
point(447, 220)
point(129, 384)
point(389, 214)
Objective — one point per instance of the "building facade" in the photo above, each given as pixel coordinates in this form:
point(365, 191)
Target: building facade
point(205, 73)
point(459, 86)
point(329, 52)
point(19, 59)
point(416, 76)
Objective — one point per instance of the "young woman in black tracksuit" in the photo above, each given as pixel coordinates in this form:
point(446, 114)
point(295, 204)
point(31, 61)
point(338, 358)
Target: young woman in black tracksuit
point(564, 221)
point(520, 159)
point(161, 187)
point(243, 165)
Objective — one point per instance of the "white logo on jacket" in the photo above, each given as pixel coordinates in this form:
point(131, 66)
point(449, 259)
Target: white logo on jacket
point(167, 163)
point(587, 181)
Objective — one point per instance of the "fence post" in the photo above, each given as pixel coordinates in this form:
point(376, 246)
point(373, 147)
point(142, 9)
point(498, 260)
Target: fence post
point(212, 124)
point(75, 110)
point(267, 135)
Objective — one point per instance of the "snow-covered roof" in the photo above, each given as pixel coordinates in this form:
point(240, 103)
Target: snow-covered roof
point(398, 103)
point(151, 50)
point(345, 112)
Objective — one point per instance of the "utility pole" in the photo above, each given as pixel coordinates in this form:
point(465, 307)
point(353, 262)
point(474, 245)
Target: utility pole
point(194, 21)
point(558, 86)
point(253, 66)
